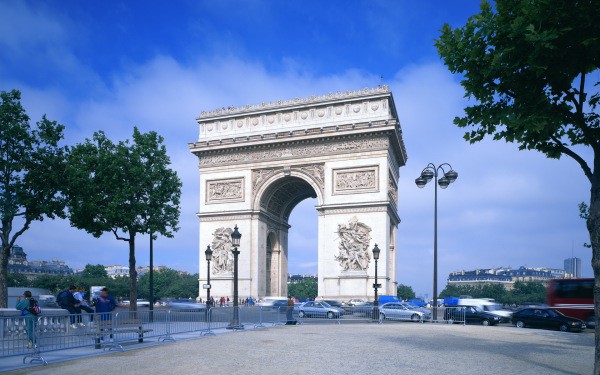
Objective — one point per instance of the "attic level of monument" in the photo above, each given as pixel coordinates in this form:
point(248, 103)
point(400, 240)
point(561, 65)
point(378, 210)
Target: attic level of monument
point(258, 162)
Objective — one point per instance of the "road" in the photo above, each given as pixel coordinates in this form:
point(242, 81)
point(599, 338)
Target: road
point(361, 348)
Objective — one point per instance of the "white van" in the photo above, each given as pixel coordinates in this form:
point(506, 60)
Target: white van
point(269, 301)
point(487, 305)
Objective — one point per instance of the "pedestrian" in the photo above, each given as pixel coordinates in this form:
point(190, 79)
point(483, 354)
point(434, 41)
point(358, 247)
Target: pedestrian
point(66, 301)
point(289, 311)
point(82, 304)
point(29, 310)
point(227, 301)
point(105, 304)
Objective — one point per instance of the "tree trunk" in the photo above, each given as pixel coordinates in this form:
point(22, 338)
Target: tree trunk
point(4, 274)
point(132, 274)
point(593, 225)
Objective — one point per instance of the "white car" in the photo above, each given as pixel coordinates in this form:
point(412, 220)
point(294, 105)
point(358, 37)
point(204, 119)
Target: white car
point(356, 302)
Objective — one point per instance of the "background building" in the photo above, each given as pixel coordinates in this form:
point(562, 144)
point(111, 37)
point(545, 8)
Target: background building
point(505, 276)
point(18, 263)
point(573, 266)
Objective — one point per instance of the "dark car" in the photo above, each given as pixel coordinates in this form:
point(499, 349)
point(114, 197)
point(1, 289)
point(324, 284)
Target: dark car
point(546, 318)
point(280, 305)
point(333, 303)
point(471, 315)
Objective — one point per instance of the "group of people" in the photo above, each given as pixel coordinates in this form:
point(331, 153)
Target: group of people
point(73, 300)
point(225, 301)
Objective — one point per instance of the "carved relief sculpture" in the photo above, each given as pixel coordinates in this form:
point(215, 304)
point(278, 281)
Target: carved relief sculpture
point(392, 189)
point(221, 247)
point(354, 245)
point(218, 191)
point(356, 180)
point(261, 175)
point(316, 171)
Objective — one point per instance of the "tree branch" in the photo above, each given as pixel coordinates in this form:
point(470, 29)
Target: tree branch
point(119, 237)
point(567, 151)
point(20, 232)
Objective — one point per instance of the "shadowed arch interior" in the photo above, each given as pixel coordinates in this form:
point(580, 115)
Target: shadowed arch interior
point(283, 195)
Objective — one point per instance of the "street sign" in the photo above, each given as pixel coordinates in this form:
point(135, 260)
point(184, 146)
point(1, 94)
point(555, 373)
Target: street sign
point(377, 286)
point(206, 286)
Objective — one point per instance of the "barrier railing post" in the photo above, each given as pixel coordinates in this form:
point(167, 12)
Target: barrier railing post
point(208, 331)
point(35, 356)
point(167, 336)
point(260, 318)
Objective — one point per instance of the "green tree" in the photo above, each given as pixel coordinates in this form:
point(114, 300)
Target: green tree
point(305, 289)
point(405, 292)
point(94, 271)
point(530, 68)
point(126, 189)
point(31, 166)
point(169, 283)
point(17, 280)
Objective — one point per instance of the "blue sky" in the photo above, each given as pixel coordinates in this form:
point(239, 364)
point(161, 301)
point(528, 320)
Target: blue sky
point(112, 65)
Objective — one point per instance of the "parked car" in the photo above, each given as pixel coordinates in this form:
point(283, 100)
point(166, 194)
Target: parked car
point(399, 311)
point(487, 305)
point(319, 309)
point(333, 303)
point(471, 314)
point(547, 318)
point(185, 304)
point(356, 302)
point(413, 307)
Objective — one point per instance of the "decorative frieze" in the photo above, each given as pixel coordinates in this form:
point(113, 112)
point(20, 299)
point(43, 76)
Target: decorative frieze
point(356, 180)
point(286, 151)
point(225, 191)
point(355, 238)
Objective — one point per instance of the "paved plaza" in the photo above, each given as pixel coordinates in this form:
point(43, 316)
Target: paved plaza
point(362, 348)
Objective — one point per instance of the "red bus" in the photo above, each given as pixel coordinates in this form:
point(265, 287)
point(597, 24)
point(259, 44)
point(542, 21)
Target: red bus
point(573, 297)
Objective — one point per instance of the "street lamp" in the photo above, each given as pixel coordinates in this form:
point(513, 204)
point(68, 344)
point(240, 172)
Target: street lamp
point(235, 242)
point(208, 255)
point(376, 286)
point(430, 172)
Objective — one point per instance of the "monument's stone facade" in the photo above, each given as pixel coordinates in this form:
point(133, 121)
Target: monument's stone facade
point(258, 162)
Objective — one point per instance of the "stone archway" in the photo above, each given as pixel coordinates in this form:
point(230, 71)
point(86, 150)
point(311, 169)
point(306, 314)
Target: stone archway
point(258, 162)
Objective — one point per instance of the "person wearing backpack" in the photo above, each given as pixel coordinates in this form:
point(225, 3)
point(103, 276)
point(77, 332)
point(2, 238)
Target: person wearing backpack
point(67, 301)
point(30, 309)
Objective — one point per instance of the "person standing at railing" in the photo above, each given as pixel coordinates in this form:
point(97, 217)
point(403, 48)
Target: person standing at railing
point(29, 315)
point(289, 311)
point(104, 305)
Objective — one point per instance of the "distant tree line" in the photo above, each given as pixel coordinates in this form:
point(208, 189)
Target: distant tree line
point(168, 283)
point(522, 292)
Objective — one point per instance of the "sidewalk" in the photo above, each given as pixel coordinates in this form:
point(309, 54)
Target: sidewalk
point(403, 348)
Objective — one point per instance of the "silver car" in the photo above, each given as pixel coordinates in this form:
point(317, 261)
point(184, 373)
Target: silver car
point(399, 311)
point(185, 304)
point(313, 309)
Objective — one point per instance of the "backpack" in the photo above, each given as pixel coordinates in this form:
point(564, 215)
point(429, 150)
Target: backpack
point(34, 307)
point(60, 296)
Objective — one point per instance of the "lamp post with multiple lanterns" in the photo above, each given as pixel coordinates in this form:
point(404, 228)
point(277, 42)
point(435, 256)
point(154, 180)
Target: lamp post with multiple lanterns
point(430, 172)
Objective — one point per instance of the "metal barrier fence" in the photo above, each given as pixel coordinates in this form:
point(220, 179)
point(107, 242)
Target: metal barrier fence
point(31, 336)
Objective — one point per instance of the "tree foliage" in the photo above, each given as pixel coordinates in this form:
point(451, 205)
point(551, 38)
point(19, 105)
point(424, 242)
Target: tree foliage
point(124, 188)
point(94, 271)
point(405, 292)
point(305, 289)
point(169, 283)
point(532, 71)
point(534, 292)
point(31, 168)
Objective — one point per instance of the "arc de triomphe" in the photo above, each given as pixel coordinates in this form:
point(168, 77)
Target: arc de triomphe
point(258, 162)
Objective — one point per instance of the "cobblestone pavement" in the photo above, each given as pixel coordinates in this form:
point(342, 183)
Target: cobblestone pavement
point(403, 348)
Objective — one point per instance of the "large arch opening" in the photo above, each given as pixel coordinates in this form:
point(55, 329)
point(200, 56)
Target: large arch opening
point(277, 202)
